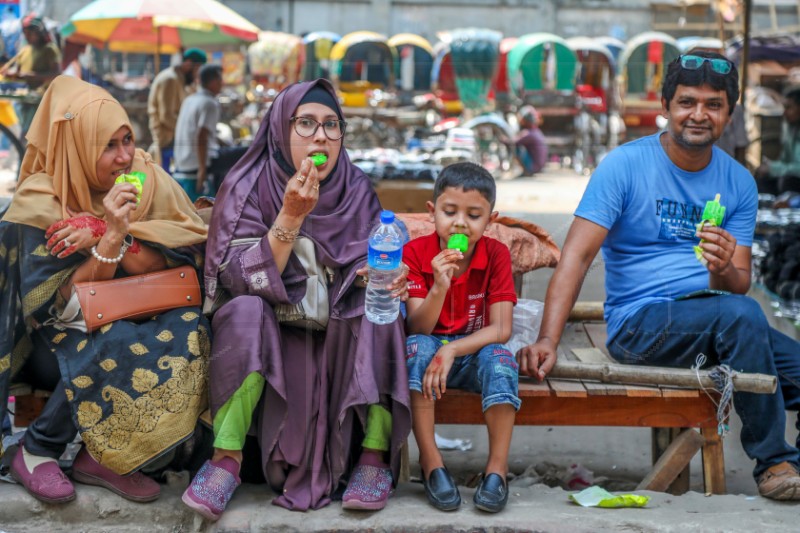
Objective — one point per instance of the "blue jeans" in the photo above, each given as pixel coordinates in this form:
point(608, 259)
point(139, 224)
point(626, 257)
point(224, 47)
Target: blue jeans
point(167, 153)
point(732, 330)
point(492, 371)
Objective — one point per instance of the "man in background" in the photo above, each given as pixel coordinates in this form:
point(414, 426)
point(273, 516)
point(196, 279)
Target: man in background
point(168, 91)
point(783, 174)
point(531, 143)
point(200, 162)
point(36, 63)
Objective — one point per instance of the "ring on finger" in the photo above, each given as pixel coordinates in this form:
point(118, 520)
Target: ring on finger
point(301, 179)
point(66, 243)
point(315, 187)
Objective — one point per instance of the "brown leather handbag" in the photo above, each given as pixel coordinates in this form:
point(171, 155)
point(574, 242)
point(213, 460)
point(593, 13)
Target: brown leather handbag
point(137, 297)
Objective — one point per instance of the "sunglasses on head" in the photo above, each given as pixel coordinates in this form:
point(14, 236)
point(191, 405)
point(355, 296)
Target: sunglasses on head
point(718, 65)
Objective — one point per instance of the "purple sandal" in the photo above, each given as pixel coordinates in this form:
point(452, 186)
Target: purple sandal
point(369, 488)
point(212, 488)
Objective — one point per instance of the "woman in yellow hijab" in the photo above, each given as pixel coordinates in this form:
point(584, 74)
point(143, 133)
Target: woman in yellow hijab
point(133, 390)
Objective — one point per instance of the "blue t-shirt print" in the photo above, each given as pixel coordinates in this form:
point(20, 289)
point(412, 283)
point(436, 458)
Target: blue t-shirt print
point(678, 220)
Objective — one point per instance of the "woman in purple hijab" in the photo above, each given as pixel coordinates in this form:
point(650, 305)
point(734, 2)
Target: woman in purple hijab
point(330, 408)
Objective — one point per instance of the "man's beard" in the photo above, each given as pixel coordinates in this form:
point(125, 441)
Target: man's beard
point(683, 139)
point(189, 77)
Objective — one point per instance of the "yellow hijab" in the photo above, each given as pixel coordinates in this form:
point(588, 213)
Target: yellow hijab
point(69, 132)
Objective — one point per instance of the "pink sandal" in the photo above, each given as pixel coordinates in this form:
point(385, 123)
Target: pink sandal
point(212, 488)
point(369, 487)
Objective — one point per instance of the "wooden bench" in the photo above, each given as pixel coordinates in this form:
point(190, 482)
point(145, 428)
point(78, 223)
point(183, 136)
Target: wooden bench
point(29, 402)
point(674, 414)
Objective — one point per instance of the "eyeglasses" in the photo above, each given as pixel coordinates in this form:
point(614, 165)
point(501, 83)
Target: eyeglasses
point(718, 65)
point(307, 127)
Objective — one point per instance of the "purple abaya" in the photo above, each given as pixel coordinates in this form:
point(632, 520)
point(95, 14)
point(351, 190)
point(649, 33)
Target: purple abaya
point(318, 384)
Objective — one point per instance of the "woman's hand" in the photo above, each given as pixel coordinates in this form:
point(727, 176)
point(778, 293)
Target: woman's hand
point(118, 204)
point(79, 232)
point(398, 286)
point(302, 192)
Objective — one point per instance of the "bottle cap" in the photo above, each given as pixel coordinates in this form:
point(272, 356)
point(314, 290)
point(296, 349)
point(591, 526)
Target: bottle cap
point(387, 217)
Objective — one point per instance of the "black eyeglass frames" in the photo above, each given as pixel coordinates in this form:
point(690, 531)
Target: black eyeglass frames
point(307, 127)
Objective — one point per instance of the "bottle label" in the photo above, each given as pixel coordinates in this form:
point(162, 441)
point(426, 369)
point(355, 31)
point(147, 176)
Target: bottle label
point(385, 259)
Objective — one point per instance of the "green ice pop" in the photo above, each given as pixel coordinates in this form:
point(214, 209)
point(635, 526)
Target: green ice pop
point(458, 241)
point(714, 211)
point(713, 214)
point(135, 178)
point(319, 159)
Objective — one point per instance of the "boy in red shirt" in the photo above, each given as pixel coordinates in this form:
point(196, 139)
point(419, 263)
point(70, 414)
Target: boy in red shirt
point(459, 315)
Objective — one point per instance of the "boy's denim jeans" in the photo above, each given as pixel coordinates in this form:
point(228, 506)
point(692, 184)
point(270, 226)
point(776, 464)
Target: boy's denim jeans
point(492, 371)
point(732, 330)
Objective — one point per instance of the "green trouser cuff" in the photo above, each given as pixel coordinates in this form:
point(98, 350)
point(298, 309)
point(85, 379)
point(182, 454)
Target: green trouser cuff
point(232, 421)
point(378, 432)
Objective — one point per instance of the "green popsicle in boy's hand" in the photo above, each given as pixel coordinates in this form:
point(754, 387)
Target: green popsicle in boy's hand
point(458, 241)
point(135, 178)
point(713, 214)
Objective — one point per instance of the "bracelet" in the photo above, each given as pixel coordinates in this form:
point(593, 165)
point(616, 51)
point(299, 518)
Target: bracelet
point(122, 250)
point(283, 234)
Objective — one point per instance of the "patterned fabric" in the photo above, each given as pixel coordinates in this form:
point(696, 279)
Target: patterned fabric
point(368, 485)
point(135, 389)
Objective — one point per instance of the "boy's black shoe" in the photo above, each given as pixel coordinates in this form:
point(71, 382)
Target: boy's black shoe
point(492, 494)
point(441, 490)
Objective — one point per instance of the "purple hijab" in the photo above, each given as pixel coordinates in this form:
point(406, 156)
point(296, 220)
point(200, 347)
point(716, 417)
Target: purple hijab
point(339, 224)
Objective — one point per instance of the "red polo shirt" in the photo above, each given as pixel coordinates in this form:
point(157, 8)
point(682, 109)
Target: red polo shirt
point(488, 280)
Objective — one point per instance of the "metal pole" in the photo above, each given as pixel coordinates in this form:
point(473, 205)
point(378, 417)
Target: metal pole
point(745, 64)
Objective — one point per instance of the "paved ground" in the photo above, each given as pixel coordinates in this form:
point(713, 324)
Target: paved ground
point(621, 455)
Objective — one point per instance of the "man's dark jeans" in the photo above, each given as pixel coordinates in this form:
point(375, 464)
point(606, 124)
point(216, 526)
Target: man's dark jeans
point(727, 329)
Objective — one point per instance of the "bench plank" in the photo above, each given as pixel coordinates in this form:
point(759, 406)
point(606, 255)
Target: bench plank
point(461, 407)
point(567, 387)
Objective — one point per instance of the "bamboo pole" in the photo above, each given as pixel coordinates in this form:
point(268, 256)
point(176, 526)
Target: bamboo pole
point(586, 311)
point(652, 375)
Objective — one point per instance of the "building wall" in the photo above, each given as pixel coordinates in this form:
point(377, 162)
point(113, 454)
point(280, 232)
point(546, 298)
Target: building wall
point(426, 17)
point(619, 18)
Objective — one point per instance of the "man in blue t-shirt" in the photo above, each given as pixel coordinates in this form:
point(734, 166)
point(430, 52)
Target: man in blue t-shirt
point(665, 304)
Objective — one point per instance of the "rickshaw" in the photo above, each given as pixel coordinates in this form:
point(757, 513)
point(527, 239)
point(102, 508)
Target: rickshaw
point(642, 67)
point(475, 53)
point(598, 99)
point(615, 46)
point(543, 70)
point(276, 59)
point(414, 63)
point(685, 44)
point(443, 80)
point(318, 46)
point(363, 62)
point(500, 85)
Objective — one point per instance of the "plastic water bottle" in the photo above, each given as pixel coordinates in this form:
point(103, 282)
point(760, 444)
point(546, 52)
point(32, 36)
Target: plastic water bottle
point(384, 261)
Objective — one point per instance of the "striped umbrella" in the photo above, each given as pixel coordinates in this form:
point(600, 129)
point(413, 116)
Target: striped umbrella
point(157, 26)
